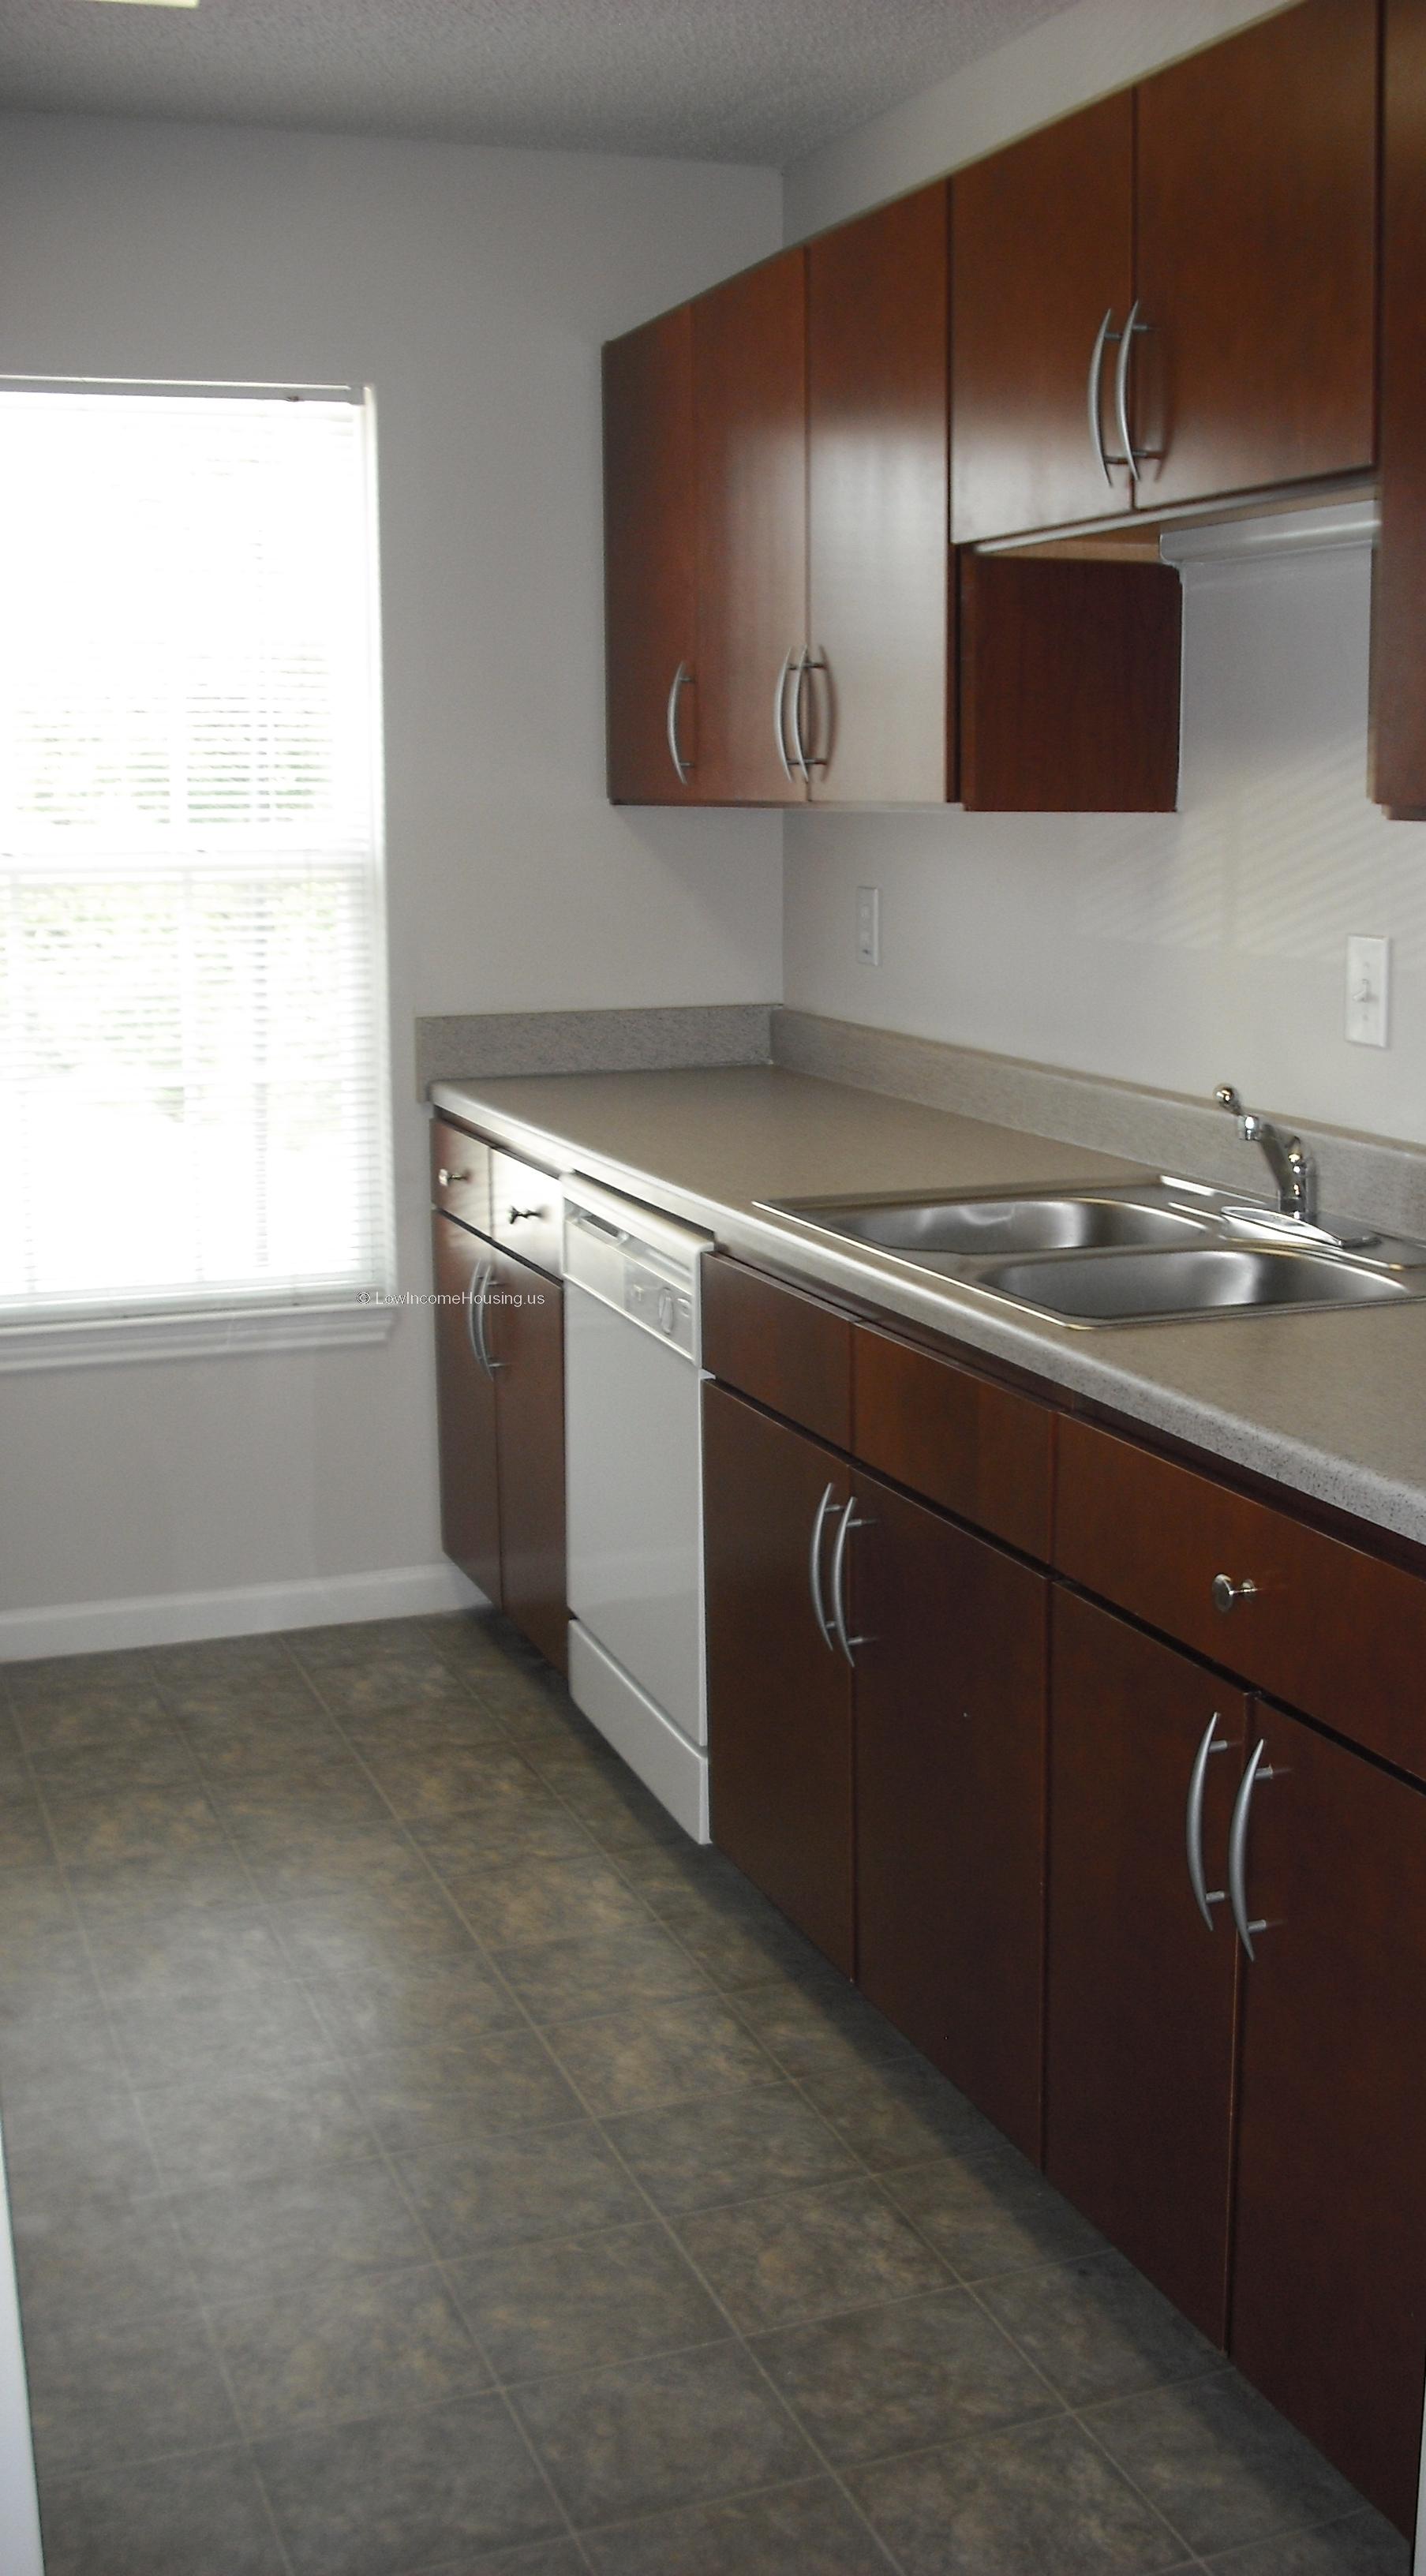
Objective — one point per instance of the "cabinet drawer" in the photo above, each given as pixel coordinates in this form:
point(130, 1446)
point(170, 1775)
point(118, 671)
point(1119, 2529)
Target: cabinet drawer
point(979, 1449)
point(460, 1174)
point(786, 1350)
point(527, 1212)
point(1324, 1625)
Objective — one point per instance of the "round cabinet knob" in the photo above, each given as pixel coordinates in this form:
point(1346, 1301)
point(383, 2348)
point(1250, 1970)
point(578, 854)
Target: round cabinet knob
point(448, 1180)
point(1227, 1594)
point(527, 1216)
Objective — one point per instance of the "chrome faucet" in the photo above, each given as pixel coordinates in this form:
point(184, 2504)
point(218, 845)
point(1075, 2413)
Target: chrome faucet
point(1289, 1161)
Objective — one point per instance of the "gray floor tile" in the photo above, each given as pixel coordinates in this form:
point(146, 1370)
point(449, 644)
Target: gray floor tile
point(734, 1952)
point(55, 2155)
point(148, 1957)
point(1365, 2544)
point(822, 2030)
point(24, 1836)
point(808, 2253)
point(546, 2558)
point(232, 2125)
point(735, 2147)
point(210, 2521)
point(442, 1999)
point(640, 2435)
point(279, 1705)
point(399, 1926)
point(533, 2182)
point(1097, 2328)
point(338, 2349)
point(559, 1981)
point(902, 2378)
point(359, 1642)
point(901, 2112)
point(35, 1904)
point(414, 1680)
point(45, 1973)
point(376, 2498)
point(161, 1759)
point(62, 2058)
point(434, 2096)
point(618, 1811)
point(242, 1745)
point(1036, 2497)
point(262, 2026)
point(803, 2530)
point(91, 1827)
point(992, 2214)
point(99, 1719)
point(1220, 2462)
point(108, 2390)
point(510, 1819)
point(277, 1812)
point(673, 2051)
point(361, 1862)
point(71, 1676)
point(575, 2303)
point(110, 2256)
point(249, 2239)
point(445, 1780)
point(428, 1731)
point(547, 1901)
point(218, 1659)
point(178, 1884)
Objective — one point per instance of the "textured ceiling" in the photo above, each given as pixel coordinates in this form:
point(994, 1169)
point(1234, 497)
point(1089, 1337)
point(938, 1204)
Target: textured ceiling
point(726, 80)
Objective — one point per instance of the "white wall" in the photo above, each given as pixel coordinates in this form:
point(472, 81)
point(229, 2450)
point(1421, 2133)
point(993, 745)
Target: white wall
point(472, 288)
point(1177, 951)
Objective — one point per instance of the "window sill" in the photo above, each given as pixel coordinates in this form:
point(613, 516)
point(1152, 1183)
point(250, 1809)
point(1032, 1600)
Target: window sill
point(102, 1341)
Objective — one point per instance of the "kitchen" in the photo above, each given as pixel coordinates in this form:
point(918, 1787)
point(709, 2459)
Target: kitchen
point(1075, 976)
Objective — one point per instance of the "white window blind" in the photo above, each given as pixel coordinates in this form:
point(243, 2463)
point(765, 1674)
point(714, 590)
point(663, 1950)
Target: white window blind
point(191, 1003)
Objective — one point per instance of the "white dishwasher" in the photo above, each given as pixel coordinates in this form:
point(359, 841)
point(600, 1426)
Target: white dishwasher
point(634, 1489)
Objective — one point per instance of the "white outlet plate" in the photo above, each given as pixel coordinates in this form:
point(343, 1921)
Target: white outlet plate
point(869, 925)
point(1368, 981)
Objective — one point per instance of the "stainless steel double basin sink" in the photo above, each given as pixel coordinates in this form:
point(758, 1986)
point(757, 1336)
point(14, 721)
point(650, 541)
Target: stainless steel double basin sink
point(1157, 1250)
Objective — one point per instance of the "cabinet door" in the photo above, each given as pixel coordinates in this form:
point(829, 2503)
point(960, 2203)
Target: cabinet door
point(1069, 686)
point(779, 1690)
point(1398, 701)
point(649, 563)
point(950, 1742)
point(1141, 2001)
point(465, 1399)
point(1041, 261)
point(750, 416)
point(1329, 2276)
point(526, 1334)
point(878, 425)
point(1255, 265)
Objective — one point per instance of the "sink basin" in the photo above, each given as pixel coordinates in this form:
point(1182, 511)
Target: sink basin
point(976, 1229)
point(1121, 1287)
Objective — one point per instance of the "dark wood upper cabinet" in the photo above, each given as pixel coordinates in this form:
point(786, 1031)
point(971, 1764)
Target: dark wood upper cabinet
point(950, 1736)
point(880, 603)
point(750, 413)
point(1069, 686)
point(1142, 1992)
point(779, 1690)
point(1255, 258)
point(1398, 700)
point(1329, 2266)
point(525, 1336)
point(651, 689)
point(1042, 264)
point(465, 1396)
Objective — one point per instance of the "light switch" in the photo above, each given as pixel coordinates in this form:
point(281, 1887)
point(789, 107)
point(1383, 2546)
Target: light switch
point(1368, 975)
point(869, 925)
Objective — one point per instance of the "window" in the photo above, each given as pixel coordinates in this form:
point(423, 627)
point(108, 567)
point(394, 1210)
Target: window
point(191, 982)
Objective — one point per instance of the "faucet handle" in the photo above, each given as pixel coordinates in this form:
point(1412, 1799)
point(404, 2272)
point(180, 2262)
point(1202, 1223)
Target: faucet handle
point(1227, 1098)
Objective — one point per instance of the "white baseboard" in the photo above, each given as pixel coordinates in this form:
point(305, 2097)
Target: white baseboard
point(178, 1618)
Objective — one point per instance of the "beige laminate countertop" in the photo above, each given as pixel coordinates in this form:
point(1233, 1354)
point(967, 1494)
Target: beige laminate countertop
point(1332, 1405)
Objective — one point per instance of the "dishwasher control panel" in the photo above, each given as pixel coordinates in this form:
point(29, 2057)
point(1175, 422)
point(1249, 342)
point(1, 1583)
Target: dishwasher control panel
point(655, 1300)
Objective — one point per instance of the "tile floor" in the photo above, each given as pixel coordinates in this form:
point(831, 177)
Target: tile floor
point(425, 2163)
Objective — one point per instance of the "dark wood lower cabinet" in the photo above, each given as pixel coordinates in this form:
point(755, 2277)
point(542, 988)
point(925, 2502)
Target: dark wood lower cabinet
point(465, 1397)
point(1142, 1993)
point(1328, 2310)
point(779, 1690)
point(950, 1773)
point(525, 1330)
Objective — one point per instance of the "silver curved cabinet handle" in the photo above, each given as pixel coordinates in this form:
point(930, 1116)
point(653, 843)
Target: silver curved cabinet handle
point(1132, 328)
point(799, 749)
point(1193, 1820)
point(779, 715)
point(680, 681)
point(845, 1526)
point(1238, 1848)
point(472, 1330)
point(484, 1276)
point(1102, 337)
point(814, 1570)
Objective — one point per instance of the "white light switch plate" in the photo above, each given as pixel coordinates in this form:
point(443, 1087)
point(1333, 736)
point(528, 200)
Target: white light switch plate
point(869, 925)
point(1368, 977)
